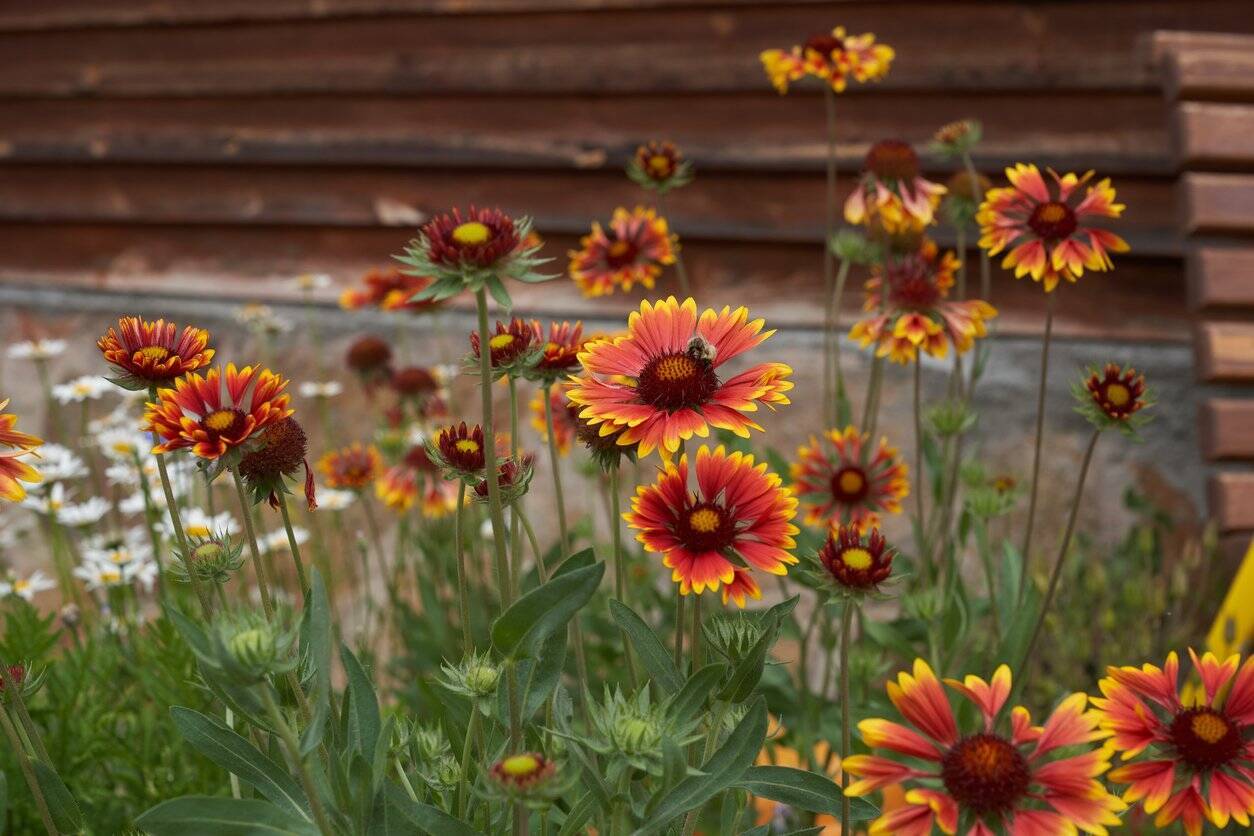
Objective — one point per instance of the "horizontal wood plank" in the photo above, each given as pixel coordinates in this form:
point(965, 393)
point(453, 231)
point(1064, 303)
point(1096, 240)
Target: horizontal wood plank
point(610, 52)
point(1225, 352)
point(1215, 136)
point(1218, 204)
point(1232, 500)
point(1227, 428)
point(1225, 74)
point(1221, 277)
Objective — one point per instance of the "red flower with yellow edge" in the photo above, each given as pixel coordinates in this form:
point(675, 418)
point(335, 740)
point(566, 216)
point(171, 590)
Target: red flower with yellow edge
point(915, 313)
point(843, 480)
point(856, 563)
point(153, 353)
point(1047, 228)
point(416, 477)
point(636, 247)
point(659, 166)
point(891, 194)
point(216, 415)
point(565, 421)
point(1015, 783)
point(510, 350)
point(559, 358)
point(1117, 392)
point(1200, 762)
point(738, 510)
point(351, 468)
point(659, 383)
point(834, 57)
point(387, 289)
point(459, 451)
point(13, 471)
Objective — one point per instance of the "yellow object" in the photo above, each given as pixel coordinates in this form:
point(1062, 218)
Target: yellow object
point(1234, 624)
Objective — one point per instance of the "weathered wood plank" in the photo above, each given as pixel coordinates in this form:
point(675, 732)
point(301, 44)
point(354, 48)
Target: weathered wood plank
point(611, 52)
point(1166, 42)
point(1227, 428)
point(1232, 500)
point(1221, 277)
point(783, 280)
point(1211, 135)
point(1218, 203)
point(1225, 351)
point(1225, 74)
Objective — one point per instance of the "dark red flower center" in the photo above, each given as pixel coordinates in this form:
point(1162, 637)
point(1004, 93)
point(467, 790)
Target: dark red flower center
point(912, 285)
point(850, 485)
point(893, 159)
point(418, 459)
point(1052, 221)
point(621, 253)
point(674, 381)
point(985, 773)
point(825, 45)
point(1205, 738)
point(224, 422)
point(706, 527)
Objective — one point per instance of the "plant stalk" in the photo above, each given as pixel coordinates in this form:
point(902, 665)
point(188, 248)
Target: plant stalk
point(1036, 456)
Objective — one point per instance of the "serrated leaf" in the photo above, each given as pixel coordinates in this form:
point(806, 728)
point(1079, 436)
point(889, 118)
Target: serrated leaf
point(803, 790)
point(522, 629)
point(657, 660)
point(211, 816)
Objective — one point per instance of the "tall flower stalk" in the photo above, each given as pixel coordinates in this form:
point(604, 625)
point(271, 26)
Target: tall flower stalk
point(1036, 449)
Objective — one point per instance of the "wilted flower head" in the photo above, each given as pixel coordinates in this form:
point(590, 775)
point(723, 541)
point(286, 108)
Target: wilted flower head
point(370, 357)
point(353, 467)
point(834, 57)
point(277, 452)
point(660, 167)
point(957, 138)
point(637, 245)
point(512, 349)
point(153, 353)
point(459, 451)
point(1113, 397)
point(414, 383)
point(513, 478)
point(891, 195)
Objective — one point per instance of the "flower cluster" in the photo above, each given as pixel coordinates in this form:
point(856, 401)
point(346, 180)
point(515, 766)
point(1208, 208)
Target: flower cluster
point(891, 196)
point(834, 57)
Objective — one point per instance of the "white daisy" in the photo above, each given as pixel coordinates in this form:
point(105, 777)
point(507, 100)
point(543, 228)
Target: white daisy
point(58, 463)
point(86, 388)
point(49, 501)
point(26, 588)
point(332, 499)
point(84, 513)
point(200, 526)
point(101, 575)
point(123, 443)
point(262, 318)
point(324, 389)
point(37, 349)
point(133, 548)
point(276, 541)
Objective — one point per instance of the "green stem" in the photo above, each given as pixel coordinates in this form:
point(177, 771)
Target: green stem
point(871, 408)
point(990, 576)
point(23, 762)
point(680, 270)
point(150, 521)
point(176, 523)
point(1036, 456)
point(846, 625)
point(292, 745)
point(838, 388)
point(263, 583)
point(463, 588)
point(557, 470)
point(400, 773)
point(541, 570)
point(515, 531)
point(679, 629)
point(977, 195)
point(293, 546)
point(463, 783)
point(694, 651)
point(920, 476)
point(620, 569)
point(711, 740)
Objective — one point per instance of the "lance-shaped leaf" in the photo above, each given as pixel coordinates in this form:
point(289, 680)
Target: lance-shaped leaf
point(803, 790)
point(210, 816)
point(522, 629)
point(657, 660)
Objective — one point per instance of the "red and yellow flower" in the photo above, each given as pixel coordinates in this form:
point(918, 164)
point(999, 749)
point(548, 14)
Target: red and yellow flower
point(1047, 228)
point(915, 313)
point(1201, 751)
point(510, 348)
point(387, 289)
point(856, 563)
point(659, 166)
point(460, 452)
point(217, 414)
point(891, 195)
point(1015, 782)
point(659, 384)
point(479, 238)
point(738, 510)
point(1117, 392)
point(13, 471)
point(560, 356)
point(834, 57)
point(147, 353)
point(637, 245)
point(843, 480)
point(565, 420)
point(416, 477)
point(351, 468)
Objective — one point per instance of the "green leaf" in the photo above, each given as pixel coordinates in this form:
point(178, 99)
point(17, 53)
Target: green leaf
point(803, 790)
point(229, 750)
point(657, 660)
point(316, 643)
point(65, 813)
point(691, 698)
point(579, 560)
point(206, 816)
point(724, 768)
point(543, 673)
point(428, 819)
point(579, 815)
point(362, 707)
point(522, 629)
point(4, 802)
point(748, 671)
point(1008, 583)
point(499, 293)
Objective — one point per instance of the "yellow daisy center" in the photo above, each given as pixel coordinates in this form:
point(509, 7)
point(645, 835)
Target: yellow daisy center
point(851, 481)
point(619, 249)
point(1209, 727)
point(1118, 394)
point(21, 585)
point(520, 766)
point(467, 445)
point(472, 233)
point(501, 341)
point(675, 367)
point(197, 531)
point(153, 352)
point(120, 556)
point(110, 576)
point(220, 420)
point(705, 520)
point(659, 164)
point(122, 447)
point(1052, 212)
point(55, 504)
point(856, 558)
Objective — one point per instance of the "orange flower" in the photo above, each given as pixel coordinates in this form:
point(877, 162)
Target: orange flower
point(844, 481)
point(352, 467)
point(834, 57)
point(659, 384)
point(560, 357)
point(564, 418)
point(1002, 782)
point(891, 194)
point(739, 510)
point(13, 471)
point(1202, 761)
point(387, 289)
point(216, 414)
point(146, 353)
point(1046, 227)
point(416, 475)
point(638, 246)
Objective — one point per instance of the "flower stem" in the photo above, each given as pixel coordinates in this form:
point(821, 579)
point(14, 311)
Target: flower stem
point(679, 629)
point(871, 408)
point(830, 354)
point(694, 651)
point(23, 762)
point(680, 270)
point(1024, 556)
point(990, 577)
point(463, 589)
point(557, 470)
point(846, 627)
point(263, 583)
point(837, 389)
point(463, 782)
point(292, 745)
point(150, 517)
point(515, 531)
point(620, 569)
point(977, 195)
point(920, 475)
point(1056, 574)
point(293, 546)
point(541, 571)
point(180, 537)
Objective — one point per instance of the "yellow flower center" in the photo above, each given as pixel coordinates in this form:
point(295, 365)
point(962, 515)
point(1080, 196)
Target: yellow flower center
point(153, 352)
point(501, 341)
point(81, 389)
point(120, 556)
point(110, 576)
point(122, 447)
point(705, 520)
point(676, 367)
point(851, 481)
point(467, 445)
point(551, 347)
point(520, 766)
point(471, 233)
point(659, 164)
point(619, 249)
point(1118, 394)
point(197, 531)
point(54, 504)
point(1052, 212)
point(1209, 727)
point(220, 420)
point(856, 558)
point(21, 586)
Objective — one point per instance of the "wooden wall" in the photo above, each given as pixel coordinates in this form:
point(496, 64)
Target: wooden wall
point(206, 146)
